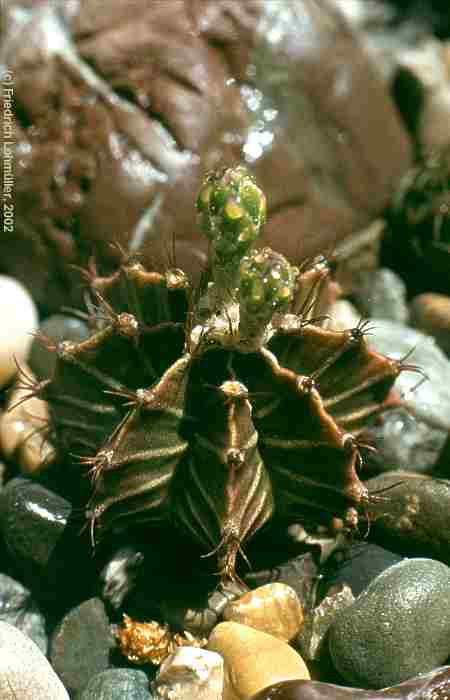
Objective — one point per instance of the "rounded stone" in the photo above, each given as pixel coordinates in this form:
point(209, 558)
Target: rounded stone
point(18, 608)
point(397, 628)
point(253, 660)
point(274, 609)
point(431, 686)
point(58, 327)
point(414, 516)
point(357, 567)
point(25, 673)
point(19, 320)
point(430, 313)
point(117, 684)
point(81, 644)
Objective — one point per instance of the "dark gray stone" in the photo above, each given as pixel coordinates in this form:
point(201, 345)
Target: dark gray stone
point(25, 673)
point(414, 516)
point(81, 644)
point(117, 684)
point(58, 327)
point(357, 567)
point(44, 541)
point(18, 608)
point(397, 628)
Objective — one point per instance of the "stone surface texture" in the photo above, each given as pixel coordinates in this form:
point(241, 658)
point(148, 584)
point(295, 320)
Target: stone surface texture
point(253, 659)
point(122, 108)
point(397, 628)
point(25, 673)
point(190, 673)
point(19, 320)
point(274, 609)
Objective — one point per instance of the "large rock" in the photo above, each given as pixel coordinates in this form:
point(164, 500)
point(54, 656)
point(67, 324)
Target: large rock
point(121, 108)
point(397, 628)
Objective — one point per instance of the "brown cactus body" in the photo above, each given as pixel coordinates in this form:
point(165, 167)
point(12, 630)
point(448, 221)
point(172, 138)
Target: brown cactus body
point(215, 408)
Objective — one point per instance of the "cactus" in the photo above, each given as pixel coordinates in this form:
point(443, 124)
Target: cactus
point(215, 407)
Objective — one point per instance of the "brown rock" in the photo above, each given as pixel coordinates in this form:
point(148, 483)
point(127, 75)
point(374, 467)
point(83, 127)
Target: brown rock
point(253, 660)
point(120, 112)
point(274, 609)
point(430, 313)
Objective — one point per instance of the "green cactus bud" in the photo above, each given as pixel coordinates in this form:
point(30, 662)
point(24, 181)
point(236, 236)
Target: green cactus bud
point(231, 210)
point(267, 284)
point(267, 281)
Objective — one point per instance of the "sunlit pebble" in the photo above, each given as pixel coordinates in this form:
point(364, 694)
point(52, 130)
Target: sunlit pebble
point(19, 320)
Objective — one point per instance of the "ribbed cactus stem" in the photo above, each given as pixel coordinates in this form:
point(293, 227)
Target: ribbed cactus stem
point(267, 284)
point(231, 211)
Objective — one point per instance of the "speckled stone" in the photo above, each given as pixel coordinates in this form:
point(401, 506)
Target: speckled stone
point(81, 644)
point(19, 319)
point(117, 684)
point(253, 659)
point(397, 628)
point(190, 673)
point(414, 517)
point(25, 673)
point(274, 609)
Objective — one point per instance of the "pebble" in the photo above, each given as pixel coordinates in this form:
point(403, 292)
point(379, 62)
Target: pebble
point(201, 620)
point(22, 430)
point(18, 608)
point(430, 401)
point(356, 567)
point(117, 684)
point(25, 673)
point(190, 673)
point(81, 644)
point(43, 541)
point(430, 313)
point(414, 517)
point(274, 609)
point(384, 296)
point(431, 686)
point(19, 320)
point(253, 660)
point(404, 442)
point(57, 327)
point(301, 573)
point(397, 628)
point(312, 638)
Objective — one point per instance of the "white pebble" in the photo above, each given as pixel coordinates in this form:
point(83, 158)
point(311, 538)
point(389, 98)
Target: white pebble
point(190, 673)
point(19, 318)
point(25, 673)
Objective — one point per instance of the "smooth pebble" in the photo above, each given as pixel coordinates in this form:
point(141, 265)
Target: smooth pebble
point(19, 320)
point(25, 673)
point(397, 628)
point(117, 684)
point(190, 673)
point(253, 659)
point(274, 609)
